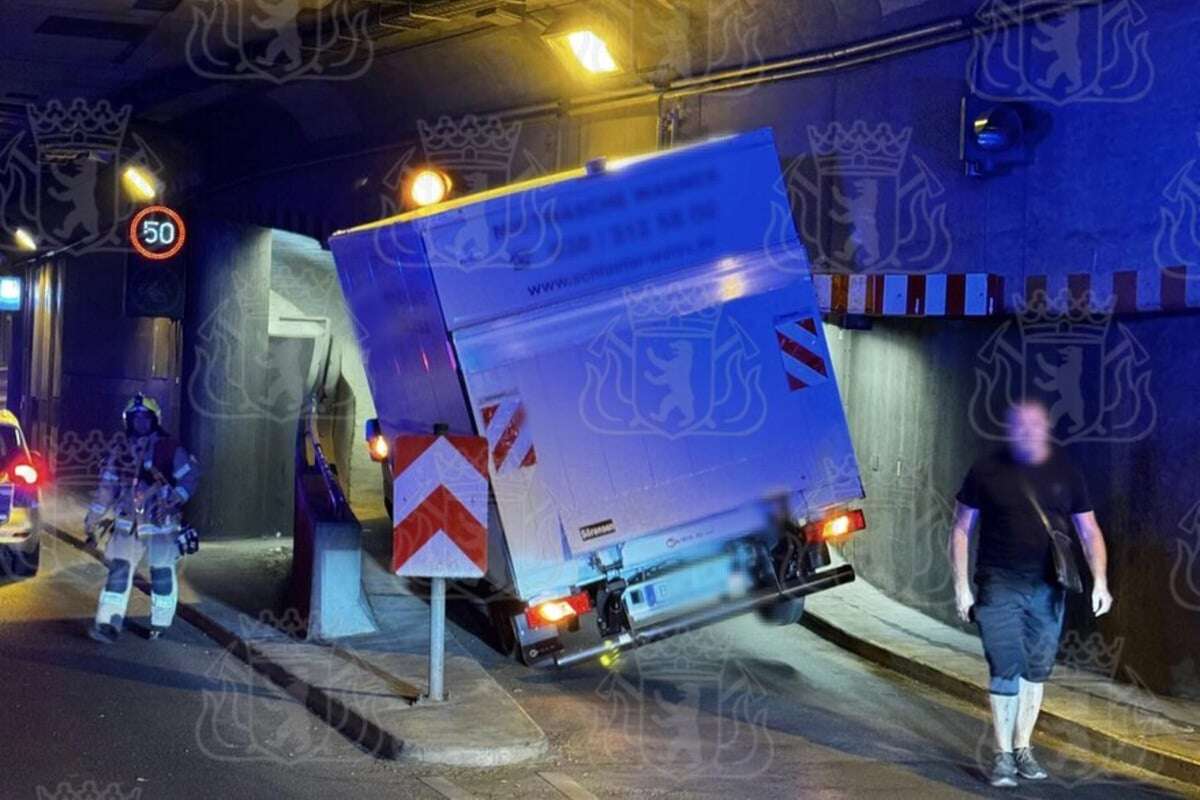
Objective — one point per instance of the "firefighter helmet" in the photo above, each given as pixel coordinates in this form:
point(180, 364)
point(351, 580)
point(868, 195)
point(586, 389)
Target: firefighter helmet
point(141, 403)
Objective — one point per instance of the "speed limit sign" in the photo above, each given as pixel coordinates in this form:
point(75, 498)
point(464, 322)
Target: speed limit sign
point(157, 233)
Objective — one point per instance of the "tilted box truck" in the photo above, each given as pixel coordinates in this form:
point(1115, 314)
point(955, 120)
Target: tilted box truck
point(640, 343)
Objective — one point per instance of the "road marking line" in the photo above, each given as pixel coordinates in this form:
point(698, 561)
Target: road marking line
point(447, 789)
point(567, 786)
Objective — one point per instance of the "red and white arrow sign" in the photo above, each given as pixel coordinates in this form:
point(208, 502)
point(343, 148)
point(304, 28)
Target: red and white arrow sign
point(440, 502)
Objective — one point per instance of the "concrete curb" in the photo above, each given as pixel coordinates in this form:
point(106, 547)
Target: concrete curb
point(497, 756)
point(360, 731)
point(1136, 753)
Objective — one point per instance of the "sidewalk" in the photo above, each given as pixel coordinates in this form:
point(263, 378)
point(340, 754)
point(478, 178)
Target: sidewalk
point(1085, 707)
point(367, 687)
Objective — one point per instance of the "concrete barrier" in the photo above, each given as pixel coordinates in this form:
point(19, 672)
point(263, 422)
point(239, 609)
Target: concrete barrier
point(326, 587)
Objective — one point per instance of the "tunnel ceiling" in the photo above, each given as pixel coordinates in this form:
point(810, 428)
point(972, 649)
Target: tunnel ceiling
point(368, 70)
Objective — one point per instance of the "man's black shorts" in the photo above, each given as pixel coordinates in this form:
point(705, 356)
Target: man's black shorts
point(1020, 621)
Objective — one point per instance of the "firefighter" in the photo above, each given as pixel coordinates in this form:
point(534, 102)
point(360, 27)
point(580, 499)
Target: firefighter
point(144, 486)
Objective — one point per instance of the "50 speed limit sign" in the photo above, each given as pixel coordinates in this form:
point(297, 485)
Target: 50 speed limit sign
point(157, 233)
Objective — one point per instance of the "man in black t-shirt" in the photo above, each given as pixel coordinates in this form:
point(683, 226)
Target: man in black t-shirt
point(1020, 605)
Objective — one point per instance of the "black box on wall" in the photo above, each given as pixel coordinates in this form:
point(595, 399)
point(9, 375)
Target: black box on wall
point(154, 288)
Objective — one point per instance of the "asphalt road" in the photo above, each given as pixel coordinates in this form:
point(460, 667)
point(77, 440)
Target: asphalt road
point(176, 718)
point(742, 710)
point(750, 710)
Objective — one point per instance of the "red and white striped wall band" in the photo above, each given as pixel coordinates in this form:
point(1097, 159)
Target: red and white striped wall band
point(980, 293)
point(900, 295)
point(1126, 291)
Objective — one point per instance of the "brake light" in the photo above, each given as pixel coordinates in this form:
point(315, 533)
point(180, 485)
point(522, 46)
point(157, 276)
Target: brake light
point(27, 473)
point(378, 447)
point(836, 527)
point(22, 473)
point(552, 612)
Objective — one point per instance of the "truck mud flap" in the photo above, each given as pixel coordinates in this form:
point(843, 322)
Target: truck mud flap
point(652, 633)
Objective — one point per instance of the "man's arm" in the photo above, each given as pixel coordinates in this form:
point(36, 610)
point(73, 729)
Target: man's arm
point(1094, 550)
point(960, 558)
point(186, 476)
point(104, 497)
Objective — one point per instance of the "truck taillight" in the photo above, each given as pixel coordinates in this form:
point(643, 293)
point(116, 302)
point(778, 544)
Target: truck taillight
point(837, 526)
point(378, 447)
point(377, 443)
point(552, 612)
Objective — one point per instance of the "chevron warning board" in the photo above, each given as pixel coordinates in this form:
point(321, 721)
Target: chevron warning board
point(801, 349)
point(440, 502)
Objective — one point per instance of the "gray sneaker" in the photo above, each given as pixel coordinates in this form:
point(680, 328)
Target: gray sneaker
point(1027, 765)
point(105, 634)
point(1004, 770)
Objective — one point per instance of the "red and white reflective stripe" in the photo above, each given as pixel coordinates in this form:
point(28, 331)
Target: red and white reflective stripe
point(823, 286)
point(856, 298)
point(978, 294)
point(508, 435)
point(1121, 291)
point(800, 346)
point(904, 295)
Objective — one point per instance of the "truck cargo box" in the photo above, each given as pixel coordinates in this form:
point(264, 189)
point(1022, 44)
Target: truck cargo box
point(638, 340)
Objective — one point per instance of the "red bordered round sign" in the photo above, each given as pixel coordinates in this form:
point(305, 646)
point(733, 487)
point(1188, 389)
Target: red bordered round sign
point(157, 233)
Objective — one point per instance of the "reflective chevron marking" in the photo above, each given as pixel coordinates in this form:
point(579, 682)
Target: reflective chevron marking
point(508, 435)
point(440, 497)
point(800, 347)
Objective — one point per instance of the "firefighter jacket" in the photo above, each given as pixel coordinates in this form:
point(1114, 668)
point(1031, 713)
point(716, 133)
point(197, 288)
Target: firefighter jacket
point(145, 485)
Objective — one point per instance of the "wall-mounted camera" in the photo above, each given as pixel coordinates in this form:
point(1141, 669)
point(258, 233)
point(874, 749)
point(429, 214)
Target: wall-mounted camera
point(996, 137)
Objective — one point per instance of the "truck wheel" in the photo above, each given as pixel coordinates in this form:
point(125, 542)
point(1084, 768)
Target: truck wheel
point(782, 612)
point(27, 563)
point(16, 563)
point(502, 625)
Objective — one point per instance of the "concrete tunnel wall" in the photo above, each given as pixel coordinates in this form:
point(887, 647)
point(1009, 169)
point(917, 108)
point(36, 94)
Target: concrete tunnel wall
point(910, 389)
point(263, 308)
point(305, 287)
point(226, 383)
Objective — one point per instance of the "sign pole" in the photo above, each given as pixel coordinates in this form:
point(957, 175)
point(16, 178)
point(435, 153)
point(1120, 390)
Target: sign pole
point(437, 639)
point(431, 540)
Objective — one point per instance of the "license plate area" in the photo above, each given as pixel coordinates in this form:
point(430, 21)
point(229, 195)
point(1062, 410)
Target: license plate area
point(684, 589)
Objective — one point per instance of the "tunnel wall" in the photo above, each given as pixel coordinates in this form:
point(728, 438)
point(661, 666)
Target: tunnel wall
point(1110, 182)
point(106, 355)
point(1108, 186)
point(230, 393)
point(79, 359)
point(915, 394)
point(304, 284)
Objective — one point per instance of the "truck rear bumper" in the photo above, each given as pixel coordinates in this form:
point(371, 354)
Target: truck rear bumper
point(816, 582)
